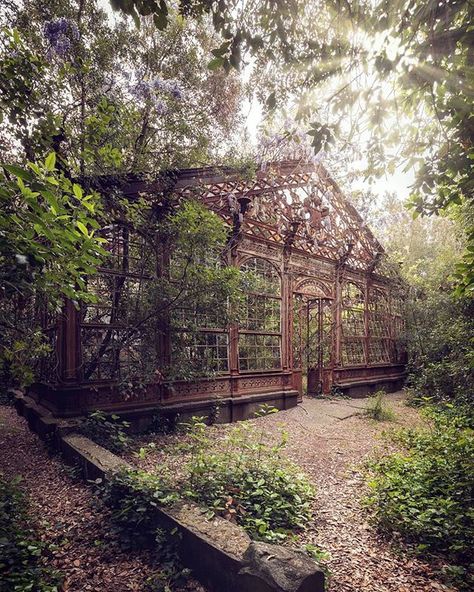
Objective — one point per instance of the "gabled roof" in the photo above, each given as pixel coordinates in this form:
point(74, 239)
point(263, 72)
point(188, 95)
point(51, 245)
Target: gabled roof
point(288, 202)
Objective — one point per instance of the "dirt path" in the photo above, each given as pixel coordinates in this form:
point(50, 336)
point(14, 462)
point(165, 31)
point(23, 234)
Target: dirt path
point(329, 440)
point(69, 516)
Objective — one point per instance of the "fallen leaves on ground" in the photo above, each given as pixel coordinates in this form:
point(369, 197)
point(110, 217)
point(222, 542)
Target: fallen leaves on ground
point(70, 517)
point(330, 440)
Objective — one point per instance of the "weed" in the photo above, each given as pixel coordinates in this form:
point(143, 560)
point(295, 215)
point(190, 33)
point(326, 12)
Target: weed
point(107, 430)
point(378, 409)
point(21, 551)
point(247, 480)
point(425, 492)
point(144, 451)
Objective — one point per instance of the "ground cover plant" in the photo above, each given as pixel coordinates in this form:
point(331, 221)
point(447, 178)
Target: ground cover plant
point(108, 430)
point(21, 552)
point(247, 480)
point(241, 477)
point(425, 492)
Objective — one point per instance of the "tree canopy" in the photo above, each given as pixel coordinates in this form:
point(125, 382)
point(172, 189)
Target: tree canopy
point(394, 76)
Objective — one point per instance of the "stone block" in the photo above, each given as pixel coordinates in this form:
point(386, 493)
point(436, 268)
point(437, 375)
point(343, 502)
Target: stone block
point(273, 568)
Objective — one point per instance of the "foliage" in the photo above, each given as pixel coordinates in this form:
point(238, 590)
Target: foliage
point(144, 450)
point(378, 409)
point(194, 290)
point(441, 360)
point(132, 496)
point(172, 573)
point(107, 430)
point(242, 478)
point(397, 77)
point(105, 99)
point(425, 492)
point(439, 326)
point(48, 232)
point(21, 552)
point(162, 423)
point(247, 480)
point(48, 243)
point(108, 98)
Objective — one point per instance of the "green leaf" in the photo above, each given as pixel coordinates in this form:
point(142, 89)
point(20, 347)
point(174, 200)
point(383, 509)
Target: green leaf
point(18, 172)
point(215, 63)
point(77, 189)
point(50, 161)
point(82, 228)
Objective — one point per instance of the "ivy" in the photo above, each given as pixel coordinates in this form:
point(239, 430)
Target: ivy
point(425, 492)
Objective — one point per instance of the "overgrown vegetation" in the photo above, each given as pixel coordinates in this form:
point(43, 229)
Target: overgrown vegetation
point(442, 354)
point(248, 481)
point(83, 97)
point(241, 477)
point(172, 573)
point(21, 552)
point(378, 408)
point(107, 430)
point(425, 492)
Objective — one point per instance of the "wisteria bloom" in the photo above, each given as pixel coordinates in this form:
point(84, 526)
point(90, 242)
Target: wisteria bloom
point(142, 90)
point(149, 89)
point(60, 33)
point(161, 107)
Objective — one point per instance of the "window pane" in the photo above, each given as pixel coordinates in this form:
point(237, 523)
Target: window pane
point(352, 352)
point(379, 351)
point(259, 352)
point(260, 276)
point(200, 353)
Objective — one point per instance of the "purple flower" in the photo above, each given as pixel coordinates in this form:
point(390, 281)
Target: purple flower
point(159, 84)
point(161, 107)
point(60, 33)
point(171, 87)
point(175, 90)
point(150, 90)
point(142, 90)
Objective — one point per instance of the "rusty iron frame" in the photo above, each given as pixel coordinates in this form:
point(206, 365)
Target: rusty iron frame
point(291, 214)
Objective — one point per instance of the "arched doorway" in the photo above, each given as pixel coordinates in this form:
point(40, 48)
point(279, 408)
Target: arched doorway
point(313, 329)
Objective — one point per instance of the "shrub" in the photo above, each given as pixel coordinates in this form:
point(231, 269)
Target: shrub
point(378, 409)
point(172, 573)
point(21, 553)
point(248, 481)
point(241, 477)
point(132, 496)
point(441, 348)
point(107, 430)
point(164, 423)
point(425, 493)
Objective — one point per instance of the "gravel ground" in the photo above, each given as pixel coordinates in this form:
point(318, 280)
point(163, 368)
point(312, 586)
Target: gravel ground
point(330, 441)
point(70, 516)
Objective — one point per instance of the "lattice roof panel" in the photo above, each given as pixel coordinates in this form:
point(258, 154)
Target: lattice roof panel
point(292, 202)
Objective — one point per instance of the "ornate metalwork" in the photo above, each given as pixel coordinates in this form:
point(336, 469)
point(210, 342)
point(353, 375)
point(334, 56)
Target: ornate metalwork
point(321, 298)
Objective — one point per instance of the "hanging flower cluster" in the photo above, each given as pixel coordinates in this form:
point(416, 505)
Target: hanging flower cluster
point(153, 91)
point(292, 144)
point(60, 33)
